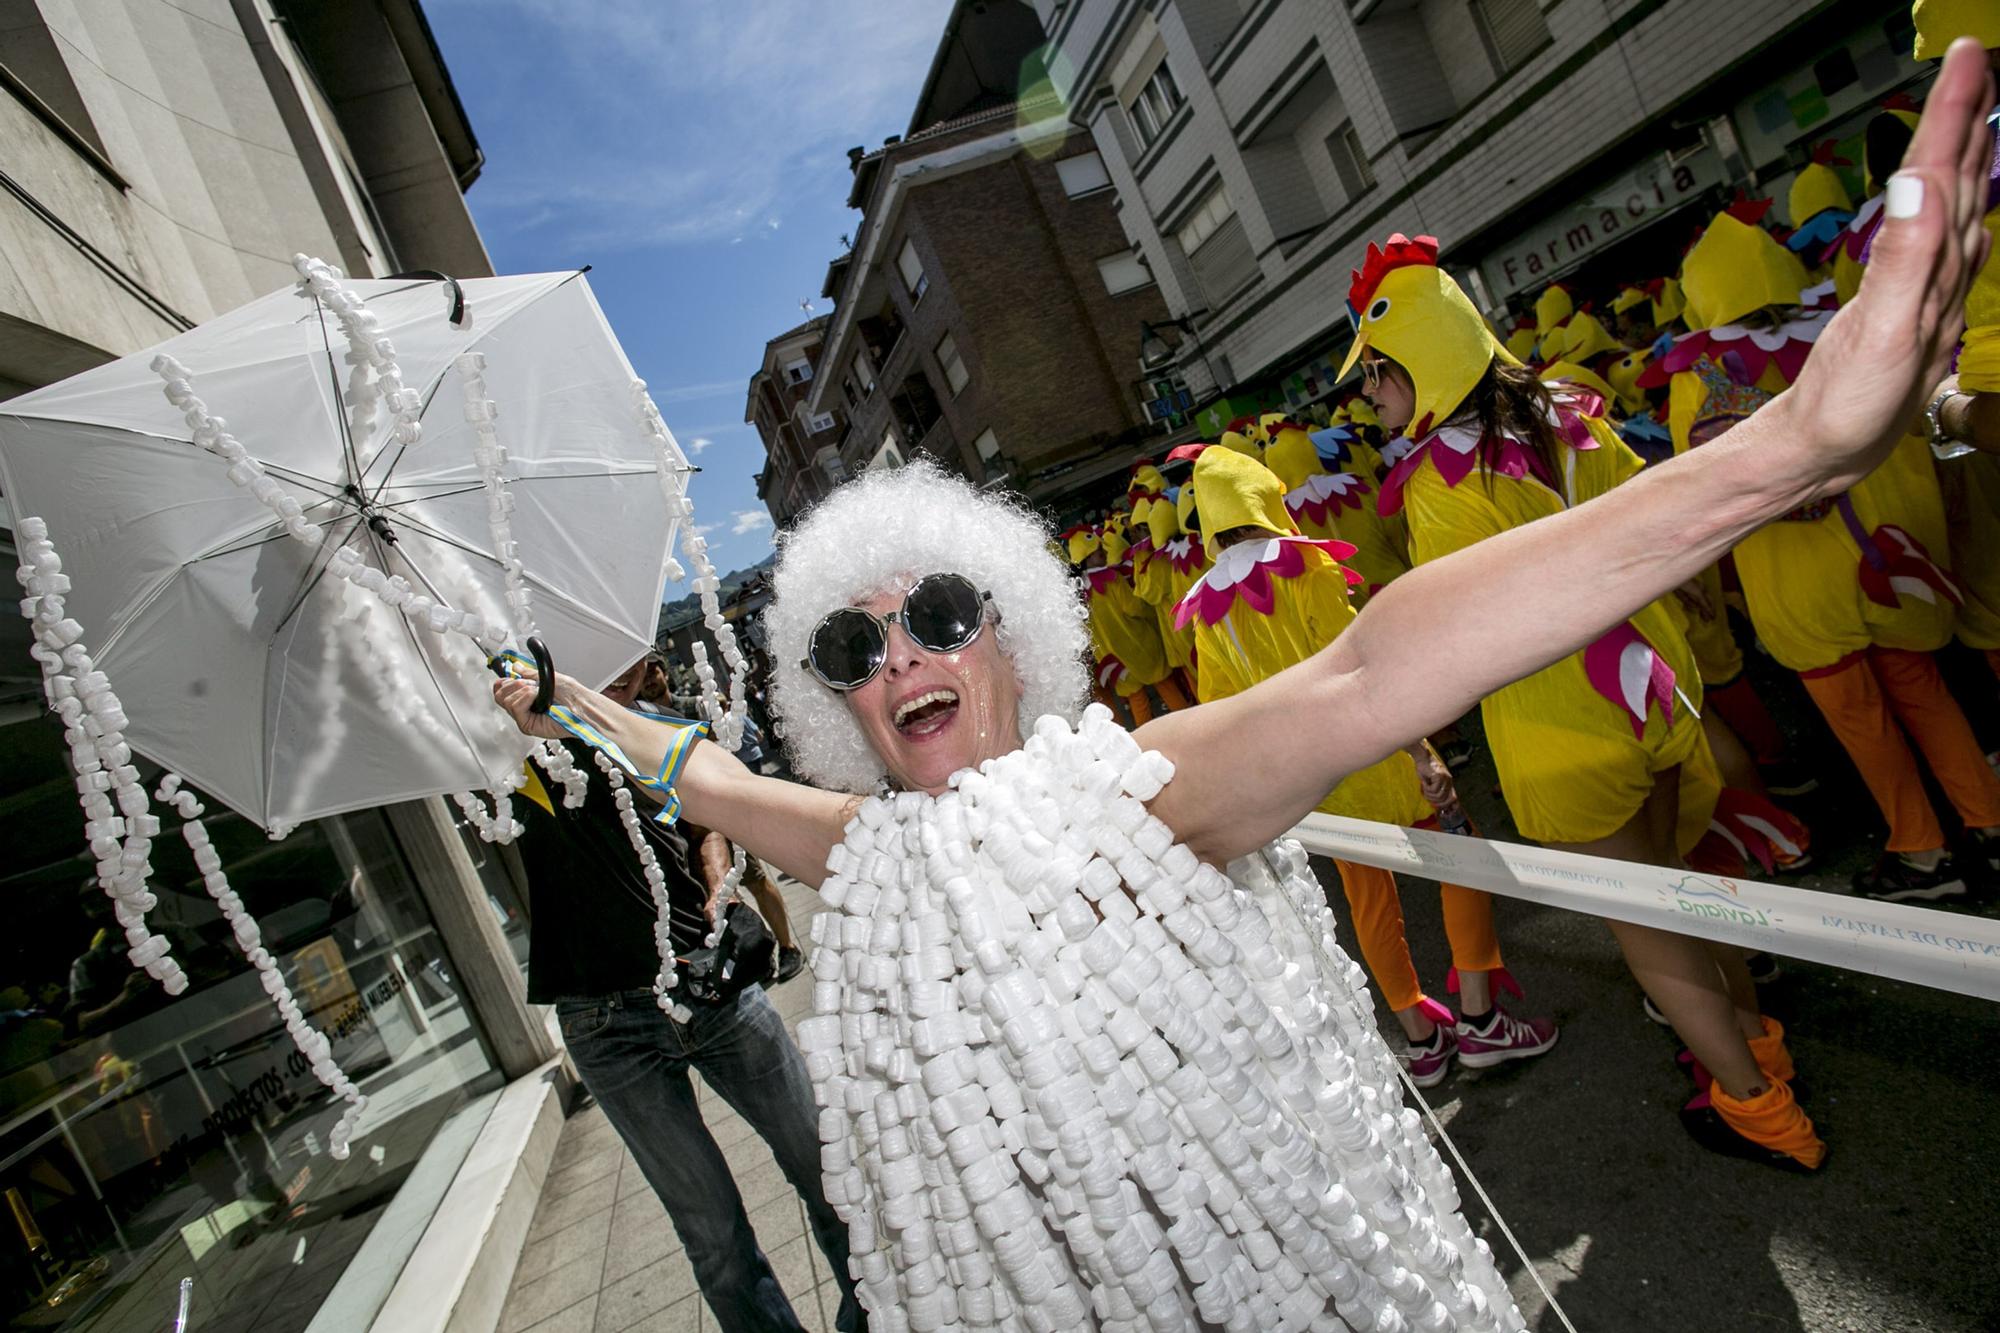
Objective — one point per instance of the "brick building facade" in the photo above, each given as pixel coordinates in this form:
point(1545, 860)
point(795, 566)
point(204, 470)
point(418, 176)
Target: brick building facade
point(801, 446)
point(989, 313)
point(1257, 146)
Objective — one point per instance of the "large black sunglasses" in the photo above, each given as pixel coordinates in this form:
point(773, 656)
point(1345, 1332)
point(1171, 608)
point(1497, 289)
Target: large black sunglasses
point(942, 613)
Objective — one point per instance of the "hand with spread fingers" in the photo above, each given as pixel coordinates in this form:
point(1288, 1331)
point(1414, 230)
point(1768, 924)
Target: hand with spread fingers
point(1873, 367)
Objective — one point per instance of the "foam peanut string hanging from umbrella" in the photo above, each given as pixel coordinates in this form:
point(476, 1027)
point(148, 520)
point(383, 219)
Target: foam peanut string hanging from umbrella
point(299, 601)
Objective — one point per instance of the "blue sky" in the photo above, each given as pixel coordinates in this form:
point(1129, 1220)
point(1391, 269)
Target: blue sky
point(694, 153)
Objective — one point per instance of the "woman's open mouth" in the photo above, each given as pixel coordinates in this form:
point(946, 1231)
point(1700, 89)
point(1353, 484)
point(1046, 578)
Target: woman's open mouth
point(927, 714)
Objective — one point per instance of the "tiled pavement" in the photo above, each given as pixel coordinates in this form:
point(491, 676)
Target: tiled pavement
point(601, 1256)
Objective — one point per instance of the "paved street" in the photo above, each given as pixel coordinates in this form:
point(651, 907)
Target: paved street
point(1635, 1227)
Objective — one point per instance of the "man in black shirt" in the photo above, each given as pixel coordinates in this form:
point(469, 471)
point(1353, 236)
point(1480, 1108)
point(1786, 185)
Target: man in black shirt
point(591, 954)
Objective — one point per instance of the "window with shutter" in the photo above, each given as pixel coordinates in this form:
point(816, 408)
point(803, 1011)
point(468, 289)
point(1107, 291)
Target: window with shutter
point(912, 269)
point(1082, 174)
point(1513, 30)
point(952, 364)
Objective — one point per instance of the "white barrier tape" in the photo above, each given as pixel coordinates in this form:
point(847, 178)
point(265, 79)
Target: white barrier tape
point(1941, 949)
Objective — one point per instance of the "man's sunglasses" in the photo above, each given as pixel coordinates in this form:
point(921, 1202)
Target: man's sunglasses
point(942, 613)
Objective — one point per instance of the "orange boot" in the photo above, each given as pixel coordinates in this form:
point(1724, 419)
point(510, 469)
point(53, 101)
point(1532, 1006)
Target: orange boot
point(1769, 1128)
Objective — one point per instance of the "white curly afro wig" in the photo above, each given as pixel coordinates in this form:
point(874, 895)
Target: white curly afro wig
point(883, 531)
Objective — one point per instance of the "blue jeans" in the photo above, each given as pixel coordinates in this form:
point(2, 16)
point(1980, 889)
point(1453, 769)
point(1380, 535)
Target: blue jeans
point(635, 1061)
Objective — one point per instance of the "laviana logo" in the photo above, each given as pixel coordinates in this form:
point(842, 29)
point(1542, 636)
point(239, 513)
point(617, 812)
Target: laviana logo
point(1718, 900)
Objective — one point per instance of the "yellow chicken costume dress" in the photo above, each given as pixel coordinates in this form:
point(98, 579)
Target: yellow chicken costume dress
point(1579, 743)
point(1971, 483)
point(1124, 631)
point(1268, 603)
point(1331, 496)
point(1849, 592)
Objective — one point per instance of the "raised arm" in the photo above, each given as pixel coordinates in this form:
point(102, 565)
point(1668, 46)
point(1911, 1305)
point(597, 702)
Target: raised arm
point(1450, 632)
point(790, 825)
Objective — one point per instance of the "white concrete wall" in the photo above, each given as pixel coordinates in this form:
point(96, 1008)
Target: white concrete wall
point(218, 198)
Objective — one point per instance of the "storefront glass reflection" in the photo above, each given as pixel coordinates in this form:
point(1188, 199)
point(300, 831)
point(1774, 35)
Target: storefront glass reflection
point(143, 1139)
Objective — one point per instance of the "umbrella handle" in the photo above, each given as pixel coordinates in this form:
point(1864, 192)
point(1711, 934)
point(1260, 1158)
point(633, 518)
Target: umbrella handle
point(545, 675)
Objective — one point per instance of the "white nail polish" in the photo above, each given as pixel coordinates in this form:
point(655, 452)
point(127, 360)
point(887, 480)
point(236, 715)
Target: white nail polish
point(1906, 196)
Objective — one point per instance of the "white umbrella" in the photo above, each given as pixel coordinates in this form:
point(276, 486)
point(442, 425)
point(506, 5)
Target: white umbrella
point(259, 646)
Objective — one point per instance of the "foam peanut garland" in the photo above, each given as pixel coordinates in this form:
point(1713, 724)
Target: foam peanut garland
point(556, 762)
point(309, 1041)
point(672, 468)
point(370, 349)
point(1064, 1068)
point(490, 456)
point(118, 820)
point(656, 882)
point(93, 724)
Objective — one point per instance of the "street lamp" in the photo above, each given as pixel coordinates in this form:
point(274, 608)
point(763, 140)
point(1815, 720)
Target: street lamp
point(1155, 355)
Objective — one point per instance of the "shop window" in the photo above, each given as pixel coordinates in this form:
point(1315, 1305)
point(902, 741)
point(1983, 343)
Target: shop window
point(1155, 103)
point(1082, 174)
point(1836, 71)
point(912, 268)
point(149, 1137)
point(1123, 272)
point(1217, 249)
point(952, 364)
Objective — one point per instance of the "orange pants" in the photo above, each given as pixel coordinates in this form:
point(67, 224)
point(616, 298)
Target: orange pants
point(1864, 696)
point(1169, 690)
point(1378, 922)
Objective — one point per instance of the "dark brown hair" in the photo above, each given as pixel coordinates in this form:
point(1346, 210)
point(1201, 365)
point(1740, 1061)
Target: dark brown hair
point(1512, 401)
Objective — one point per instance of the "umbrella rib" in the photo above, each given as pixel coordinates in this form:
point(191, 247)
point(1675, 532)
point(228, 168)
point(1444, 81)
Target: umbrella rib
point(416, 645)
point(430, 395)
point(303, 478)
point(468, 488)
point(441, 495)
point(424, 529)
point(246, 544)
point(312, 578)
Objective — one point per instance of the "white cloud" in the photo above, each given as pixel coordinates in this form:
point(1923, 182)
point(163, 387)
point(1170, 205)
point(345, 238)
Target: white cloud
point(703, 529)
point(696, 122)
point(693, 393)
point(748, 521)
point(699, 443)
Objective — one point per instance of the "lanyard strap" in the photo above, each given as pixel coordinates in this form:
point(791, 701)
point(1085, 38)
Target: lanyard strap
point(686, 733)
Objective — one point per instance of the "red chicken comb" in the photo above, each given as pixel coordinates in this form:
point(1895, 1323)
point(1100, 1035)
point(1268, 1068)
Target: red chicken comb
point(1186, 453)
point(1381, 260)
point(1746, 210)
point(1822, 153)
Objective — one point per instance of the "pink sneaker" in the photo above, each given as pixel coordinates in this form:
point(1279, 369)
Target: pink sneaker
point(1431, 1061)
point(1511, 1038)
